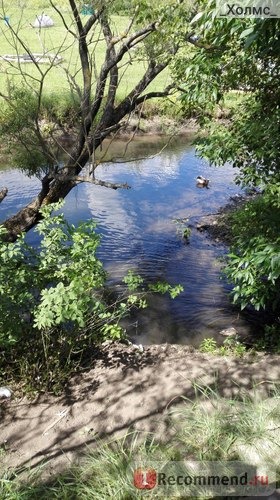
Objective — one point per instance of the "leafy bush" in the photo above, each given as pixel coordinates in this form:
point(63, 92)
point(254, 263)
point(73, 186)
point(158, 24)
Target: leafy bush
point(242, 56)
point(270, 341)
point(54, 304)
point(231, 347)
point(250, 142)
point(62, 109)
point(26, 125)
point(253, 265)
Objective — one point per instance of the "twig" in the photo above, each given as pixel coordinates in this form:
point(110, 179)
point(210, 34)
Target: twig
point(61, 415)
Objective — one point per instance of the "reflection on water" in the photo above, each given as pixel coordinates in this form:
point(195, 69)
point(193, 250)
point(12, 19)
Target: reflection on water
point(138, 232)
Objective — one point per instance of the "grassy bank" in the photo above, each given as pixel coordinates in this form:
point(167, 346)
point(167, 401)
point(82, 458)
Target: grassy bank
point(210, 428)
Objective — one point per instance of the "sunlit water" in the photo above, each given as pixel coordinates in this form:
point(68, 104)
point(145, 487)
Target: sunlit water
point(138, 232)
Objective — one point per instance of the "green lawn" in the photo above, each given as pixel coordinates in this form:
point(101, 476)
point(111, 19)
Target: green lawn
point(56, 39)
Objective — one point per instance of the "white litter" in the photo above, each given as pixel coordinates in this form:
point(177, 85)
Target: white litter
point(60, 415)
point(138, 347)
point(5, 393)
point(43, 21)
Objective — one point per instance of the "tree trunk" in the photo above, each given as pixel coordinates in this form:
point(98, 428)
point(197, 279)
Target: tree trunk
point(3, 194)
point(101, 114)
point(27, 217)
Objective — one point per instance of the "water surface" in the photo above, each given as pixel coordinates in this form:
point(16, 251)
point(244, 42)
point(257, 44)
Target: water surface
point(139, 232)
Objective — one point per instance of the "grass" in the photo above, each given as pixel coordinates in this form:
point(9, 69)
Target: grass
point(56, 39)
point(210, 428)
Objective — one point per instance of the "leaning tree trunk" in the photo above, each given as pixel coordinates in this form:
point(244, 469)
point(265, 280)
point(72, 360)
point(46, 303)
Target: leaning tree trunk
point(28, 216)
point(3, 194)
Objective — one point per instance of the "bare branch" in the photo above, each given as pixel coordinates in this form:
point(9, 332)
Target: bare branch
point(110, 62)
point(111, 53)
point(139, 158)
point(100, 115)
point(133, 98)
point(87, 178)
point(151, 95)
point(62, 18)
point(134, 39)
point(92, 20)
point(84, 58)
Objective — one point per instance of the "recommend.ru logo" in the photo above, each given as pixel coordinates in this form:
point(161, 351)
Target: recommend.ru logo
point(205, 478)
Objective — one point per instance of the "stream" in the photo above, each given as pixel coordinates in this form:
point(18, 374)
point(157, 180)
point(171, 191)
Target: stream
point(139, 232)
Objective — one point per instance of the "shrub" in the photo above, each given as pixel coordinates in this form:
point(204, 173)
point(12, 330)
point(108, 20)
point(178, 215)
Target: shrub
point(25, 125)
point(62, 109)
point(55, 307)
point(231, 347)
point(48, 295)
point(253, 265)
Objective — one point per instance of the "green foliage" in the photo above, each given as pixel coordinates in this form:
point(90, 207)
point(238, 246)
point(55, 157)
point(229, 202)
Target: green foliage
point(61, 108)
point(242, 55)
point(18, 125)
point(55, 305)
point(182, 229)
point(133, 281)
point(250, 142)
point(231, 347)
point(253, 265)
point(172, 18)
point(56, 281)
point(187, 232)
point(30, 127)
point(162, 287)
point(208, 345)
point(270, 341)
point(237, 54)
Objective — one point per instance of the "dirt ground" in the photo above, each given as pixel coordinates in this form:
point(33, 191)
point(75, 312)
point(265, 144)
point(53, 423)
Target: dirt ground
point(127, 389)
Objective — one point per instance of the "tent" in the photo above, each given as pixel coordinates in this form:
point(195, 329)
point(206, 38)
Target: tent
point(43, 21)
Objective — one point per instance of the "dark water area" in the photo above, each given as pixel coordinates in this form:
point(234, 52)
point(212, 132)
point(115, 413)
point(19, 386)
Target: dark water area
point(139, 232)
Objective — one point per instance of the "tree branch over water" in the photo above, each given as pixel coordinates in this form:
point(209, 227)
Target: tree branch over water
point(91, 180)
